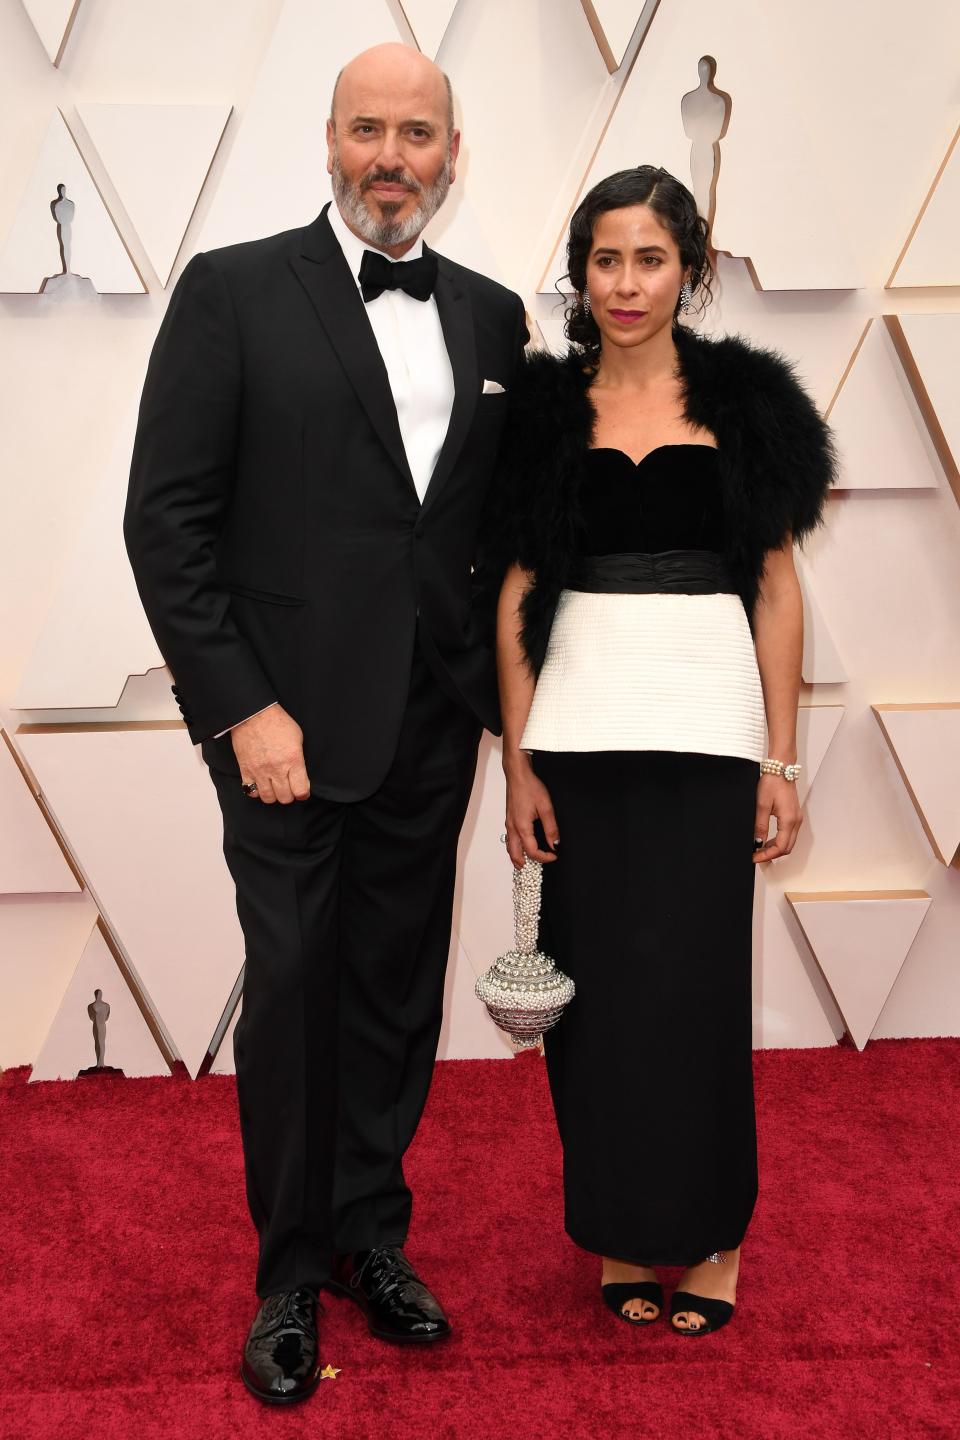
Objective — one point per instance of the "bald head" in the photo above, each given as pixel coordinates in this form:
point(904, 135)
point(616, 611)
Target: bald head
point(395, 69)
point(391, 145)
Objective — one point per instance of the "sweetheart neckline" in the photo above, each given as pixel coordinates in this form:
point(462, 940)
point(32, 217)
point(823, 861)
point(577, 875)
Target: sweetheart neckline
point(674, 445)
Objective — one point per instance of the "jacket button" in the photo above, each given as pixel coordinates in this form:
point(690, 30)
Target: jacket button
point(418, 530)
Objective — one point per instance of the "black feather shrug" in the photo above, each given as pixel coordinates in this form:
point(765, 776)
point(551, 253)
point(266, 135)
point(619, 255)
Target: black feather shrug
point(776, 457)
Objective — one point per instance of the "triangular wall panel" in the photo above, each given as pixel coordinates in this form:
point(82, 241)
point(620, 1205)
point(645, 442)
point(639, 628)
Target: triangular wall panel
point(53, 21)
point(127, 798)
point(929, 350)
point(925, 742)
point(821, 663)
point(926, 997)
point(819, 341)
point(564, 99)
point(613, 22)
point(931, 255)
point(278, 154)
point(792, 1003)
point(157, 157)
point(860, 940)
point(31, 253)
point(761, 179)
point(877, 424)
point(428, 19)
point(845, 184)
point(95, 634)
point(31, 861)
point(69, 1047)
point(41, 939)
point(816, 727)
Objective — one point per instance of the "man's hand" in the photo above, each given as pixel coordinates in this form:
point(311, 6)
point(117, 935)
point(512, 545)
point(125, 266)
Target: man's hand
point(269, 751)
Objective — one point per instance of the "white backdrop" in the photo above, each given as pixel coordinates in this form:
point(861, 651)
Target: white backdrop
point(182, 127)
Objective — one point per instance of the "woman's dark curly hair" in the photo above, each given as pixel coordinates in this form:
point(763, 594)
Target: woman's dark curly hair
point(676, 209)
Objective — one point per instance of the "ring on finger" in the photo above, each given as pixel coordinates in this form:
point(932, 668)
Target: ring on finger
point(249, 787)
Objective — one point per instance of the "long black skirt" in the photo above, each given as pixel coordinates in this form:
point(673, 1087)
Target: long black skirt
point(649, 909)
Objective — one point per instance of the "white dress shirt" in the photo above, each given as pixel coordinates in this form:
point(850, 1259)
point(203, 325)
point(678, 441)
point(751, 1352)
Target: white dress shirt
point(410, 339)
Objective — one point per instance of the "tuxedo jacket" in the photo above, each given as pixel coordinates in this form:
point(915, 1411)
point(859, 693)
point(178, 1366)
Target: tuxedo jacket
point(279, 545)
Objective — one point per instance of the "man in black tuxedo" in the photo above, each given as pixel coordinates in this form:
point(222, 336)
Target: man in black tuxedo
point(317, 434)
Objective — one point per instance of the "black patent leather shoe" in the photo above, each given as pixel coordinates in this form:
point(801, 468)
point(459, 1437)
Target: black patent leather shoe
point(281, 1357)
point(397, 1304)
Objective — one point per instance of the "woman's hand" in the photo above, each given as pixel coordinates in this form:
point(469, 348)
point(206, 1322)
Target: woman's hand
point(777, 797)
point(528, 801)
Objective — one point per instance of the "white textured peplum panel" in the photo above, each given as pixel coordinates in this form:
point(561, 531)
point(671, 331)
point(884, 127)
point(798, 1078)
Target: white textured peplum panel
point(649, 672)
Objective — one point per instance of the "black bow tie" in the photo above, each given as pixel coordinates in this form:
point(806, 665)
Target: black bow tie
point(417, 277)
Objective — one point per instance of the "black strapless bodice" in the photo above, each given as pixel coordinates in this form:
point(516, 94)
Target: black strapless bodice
point(670, 501)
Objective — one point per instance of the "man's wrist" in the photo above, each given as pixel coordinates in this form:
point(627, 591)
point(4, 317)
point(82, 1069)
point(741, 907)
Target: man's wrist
point(230, 728)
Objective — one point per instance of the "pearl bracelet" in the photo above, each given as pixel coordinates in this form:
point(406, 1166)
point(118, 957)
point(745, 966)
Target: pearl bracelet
point(777, 767)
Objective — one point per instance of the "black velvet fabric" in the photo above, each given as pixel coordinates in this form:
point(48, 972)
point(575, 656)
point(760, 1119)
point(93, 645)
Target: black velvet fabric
point(671, 500)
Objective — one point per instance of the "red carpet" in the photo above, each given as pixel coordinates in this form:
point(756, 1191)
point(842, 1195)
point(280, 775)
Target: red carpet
point(128, 1258)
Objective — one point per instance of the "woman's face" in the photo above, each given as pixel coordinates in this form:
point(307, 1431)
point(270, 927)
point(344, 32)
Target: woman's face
point(634, 275)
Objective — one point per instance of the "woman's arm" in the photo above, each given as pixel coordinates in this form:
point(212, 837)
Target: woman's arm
point(778, 636)
point(527, 798)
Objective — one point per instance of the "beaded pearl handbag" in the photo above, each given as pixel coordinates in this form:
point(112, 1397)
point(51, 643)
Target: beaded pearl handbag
point(524, 991)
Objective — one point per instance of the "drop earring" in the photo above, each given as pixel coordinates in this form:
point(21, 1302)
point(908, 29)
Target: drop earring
point(586, 303)
point(686, 297)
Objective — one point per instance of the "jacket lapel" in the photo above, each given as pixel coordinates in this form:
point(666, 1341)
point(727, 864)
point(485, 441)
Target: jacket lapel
point(323, 272)
point(456, 321)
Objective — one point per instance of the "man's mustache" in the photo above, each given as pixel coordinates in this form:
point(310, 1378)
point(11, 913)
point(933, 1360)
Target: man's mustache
point(390, 177)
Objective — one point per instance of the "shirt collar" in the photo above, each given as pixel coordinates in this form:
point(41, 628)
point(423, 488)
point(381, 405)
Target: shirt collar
point(353, 247)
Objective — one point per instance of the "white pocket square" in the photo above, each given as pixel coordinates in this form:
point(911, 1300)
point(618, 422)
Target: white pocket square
point(493, 387)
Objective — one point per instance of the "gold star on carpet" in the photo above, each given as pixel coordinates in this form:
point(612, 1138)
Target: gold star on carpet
point(329, 1372)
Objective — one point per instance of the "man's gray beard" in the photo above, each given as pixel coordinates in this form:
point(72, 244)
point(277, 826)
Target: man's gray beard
point(387, 231)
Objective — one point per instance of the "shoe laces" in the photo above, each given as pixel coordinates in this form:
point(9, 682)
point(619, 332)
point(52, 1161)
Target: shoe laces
point(389, 1270)
point(293, 1311)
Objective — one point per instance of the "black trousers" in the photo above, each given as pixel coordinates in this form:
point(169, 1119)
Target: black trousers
point(649, 909)
point(346, 914)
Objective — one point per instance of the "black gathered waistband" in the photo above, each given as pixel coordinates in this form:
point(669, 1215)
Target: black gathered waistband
point(669, 572)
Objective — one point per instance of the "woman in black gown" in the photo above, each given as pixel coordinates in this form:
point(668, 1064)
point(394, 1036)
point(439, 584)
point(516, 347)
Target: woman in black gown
point(649, 645)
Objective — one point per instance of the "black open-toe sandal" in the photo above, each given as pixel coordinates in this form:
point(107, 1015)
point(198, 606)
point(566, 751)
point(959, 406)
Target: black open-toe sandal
point(618, 1292)
point(715, 1312)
